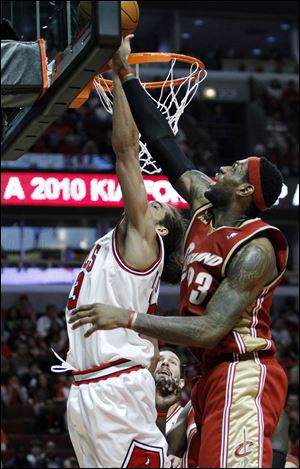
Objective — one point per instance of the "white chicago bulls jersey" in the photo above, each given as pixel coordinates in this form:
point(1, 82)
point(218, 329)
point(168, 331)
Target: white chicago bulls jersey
point(106, 278)
point(172, 417)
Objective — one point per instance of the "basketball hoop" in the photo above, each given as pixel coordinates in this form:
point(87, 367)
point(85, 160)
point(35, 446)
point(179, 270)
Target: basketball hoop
point(175, 93)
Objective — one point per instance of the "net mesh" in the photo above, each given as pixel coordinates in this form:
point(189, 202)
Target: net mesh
point(171, 100)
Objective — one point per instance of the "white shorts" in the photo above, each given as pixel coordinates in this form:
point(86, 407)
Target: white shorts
point(112, 422)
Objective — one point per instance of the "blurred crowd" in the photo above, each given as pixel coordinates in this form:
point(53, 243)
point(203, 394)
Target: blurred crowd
point(26, 357)
point(37, 455)
point(27, 337)
point(279, 139)
point(210, 133)
point(275, 60)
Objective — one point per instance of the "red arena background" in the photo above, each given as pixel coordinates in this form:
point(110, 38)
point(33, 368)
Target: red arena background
point(98, 190)
point(84, 190)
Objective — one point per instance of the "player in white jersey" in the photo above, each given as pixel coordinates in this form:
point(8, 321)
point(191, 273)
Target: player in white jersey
point(169, 385)
point(111, 407)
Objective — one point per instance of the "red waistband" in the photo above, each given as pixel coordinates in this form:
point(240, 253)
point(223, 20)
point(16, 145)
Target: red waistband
point(101, 367)
point(108, 376)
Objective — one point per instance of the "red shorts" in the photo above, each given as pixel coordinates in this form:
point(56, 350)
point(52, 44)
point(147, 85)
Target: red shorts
point(237, 407)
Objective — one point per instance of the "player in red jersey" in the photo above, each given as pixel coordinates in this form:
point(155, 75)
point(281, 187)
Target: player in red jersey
point(183, 439)
point(233, 263)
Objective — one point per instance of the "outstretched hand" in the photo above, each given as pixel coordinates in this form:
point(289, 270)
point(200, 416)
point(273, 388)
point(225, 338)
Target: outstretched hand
point(167, 385)
point(100, 316)
point(119, 61)
point(168, 392)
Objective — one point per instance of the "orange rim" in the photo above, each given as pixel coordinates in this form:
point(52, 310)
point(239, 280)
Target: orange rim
point(142, 58)
point(157, 57)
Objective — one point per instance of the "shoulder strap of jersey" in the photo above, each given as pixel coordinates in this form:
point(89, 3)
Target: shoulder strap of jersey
point(196, 213)
point(117, 255)
point(277, 239)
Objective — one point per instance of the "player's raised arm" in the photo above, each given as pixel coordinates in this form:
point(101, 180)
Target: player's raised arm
point(190, 183)
point(125, 141)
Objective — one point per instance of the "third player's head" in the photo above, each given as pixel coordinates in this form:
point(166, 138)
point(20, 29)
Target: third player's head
point(169, 364)
point(253, 185)
point(171, 225)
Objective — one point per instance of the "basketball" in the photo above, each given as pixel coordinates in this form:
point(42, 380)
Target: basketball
point(130, 14)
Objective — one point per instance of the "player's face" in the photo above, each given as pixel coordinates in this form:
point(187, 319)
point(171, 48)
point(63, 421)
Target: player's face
point(227, 181)
point(168, 365)
point(158, 210)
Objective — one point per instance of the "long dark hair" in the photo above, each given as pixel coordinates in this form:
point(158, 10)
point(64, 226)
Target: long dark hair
point(176, 225)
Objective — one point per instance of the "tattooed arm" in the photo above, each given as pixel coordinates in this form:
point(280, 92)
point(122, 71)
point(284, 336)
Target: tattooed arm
point(191, 186)
point(250, 270)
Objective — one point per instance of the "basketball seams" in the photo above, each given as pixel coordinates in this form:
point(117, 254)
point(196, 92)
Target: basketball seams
point(131, 19)
point(134, 20)
point(130, 14)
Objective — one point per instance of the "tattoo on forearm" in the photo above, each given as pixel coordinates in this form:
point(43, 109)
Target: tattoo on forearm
point(202, 331)
point(247, 275)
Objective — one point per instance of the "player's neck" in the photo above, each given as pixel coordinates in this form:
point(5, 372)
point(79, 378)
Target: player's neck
point(230, 217)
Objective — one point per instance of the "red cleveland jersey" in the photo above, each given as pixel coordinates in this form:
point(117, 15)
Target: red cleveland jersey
point(190, 457)
point(208, 252)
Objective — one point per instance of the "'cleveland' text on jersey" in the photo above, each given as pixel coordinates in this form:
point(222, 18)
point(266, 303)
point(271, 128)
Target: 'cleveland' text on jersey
point(208, 252)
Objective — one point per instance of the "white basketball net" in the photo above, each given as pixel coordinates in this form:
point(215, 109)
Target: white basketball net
point(171, 102)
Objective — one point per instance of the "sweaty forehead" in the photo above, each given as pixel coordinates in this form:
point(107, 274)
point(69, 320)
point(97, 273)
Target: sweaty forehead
point(168, 354)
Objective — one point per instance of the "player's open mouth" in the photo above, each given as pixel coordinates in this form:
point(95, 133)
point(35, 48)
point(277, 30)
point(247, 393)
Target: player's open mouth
point(165, 372)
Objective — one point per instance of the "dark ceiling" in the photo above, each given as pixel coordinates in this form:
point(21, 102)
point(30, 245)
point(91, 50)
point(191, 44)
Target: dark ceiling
point(224, 8)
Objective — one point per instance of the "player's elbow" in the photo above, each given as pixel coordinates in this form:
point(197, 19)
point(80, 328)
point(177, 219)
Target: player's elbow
point(125, 151)
point(212, 343)
point(125, 143)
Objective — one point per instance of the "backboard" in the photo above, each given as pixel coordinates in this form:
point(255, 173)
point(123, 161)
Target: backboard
point(77, 49)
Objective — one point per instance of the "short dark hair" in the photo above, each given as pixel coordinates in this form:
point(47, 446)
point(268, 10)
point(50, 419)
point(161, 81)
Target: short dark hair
point(176, 225)
point(173, 350)
point(271, 184)
point(271, 181)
